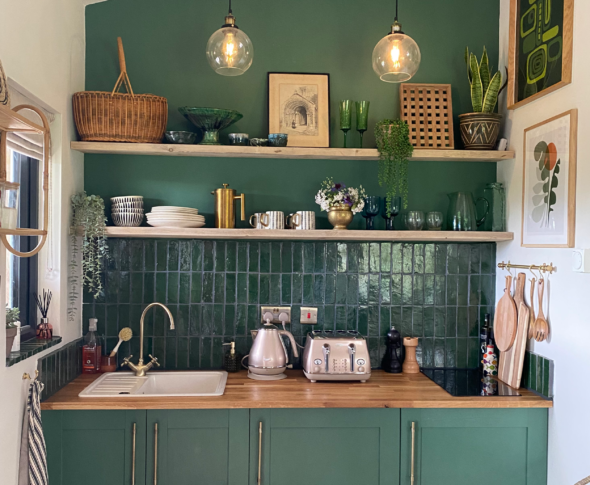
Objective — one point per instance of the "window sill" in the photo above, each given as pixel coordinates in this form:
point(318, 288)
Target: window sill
point(28, 348)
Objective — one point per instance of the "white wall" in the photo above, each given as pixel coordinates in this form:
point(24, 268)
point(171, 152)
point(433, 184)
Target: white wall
point(42, 49)
point(569, 426)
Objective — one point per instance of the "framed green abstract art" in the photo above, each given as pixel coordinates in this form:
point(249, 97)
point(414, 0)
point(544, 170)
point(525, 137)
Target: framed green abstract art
point(549, 182)
point(540, 53)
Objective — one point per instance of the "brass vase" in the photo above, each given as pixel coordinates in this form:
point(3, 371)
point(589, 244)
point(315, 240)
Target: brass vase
point(340, 216)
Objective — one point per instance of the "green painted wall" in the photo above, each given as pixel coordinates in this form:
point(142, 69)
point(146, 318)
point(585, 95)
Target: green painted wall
point(165, 50)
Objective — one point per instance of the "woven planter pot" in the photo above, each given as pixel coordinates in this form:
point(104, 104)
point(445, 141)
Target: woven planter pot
point(480, 131)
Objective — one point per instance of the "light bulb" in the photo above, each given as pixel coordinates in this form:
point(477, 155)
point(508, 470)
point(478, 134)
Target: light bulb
point(395, 55)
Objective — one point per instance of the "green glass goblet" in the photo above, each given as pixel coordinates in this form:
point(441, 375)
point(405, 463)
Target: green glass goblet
point(345, 117)
point(362, 117)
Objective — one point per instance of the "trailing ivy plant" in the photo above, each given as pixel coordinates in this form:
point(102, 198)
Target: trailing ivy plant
point(89, 219)
point(393, 143)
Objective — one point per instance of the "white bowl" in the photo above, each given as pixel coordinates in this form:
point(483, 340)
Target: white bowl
point(127, 220)
point(127, 198)
point(175, 218)
point(171, 208)
point(169, 223)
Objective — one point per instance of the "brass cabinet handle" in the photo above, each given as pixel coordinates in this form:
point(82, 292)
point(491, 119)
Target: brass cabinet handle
point(155, 453)
point(413, 453)
point(259, 482)
point(134, 434)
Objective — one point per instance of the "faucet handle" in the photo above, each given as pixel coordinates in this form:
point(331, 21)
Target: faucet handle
point(126, 361)
point(154, 360)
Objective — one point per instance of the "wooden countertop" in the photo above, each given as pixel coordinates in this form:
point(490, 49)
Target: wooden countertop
point(383, 390)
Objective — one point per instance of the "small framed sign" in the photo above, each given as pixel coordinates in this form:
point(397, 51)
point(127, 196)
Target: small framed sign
point(540, 52)
point(299, 105)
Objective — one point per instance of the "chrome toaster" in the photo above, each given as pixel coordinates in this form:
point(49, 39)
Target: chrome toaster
point(338, 355)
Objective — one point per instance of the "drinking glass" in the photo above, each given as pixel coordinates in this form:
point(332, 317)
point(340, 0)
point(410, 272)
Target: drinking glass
point(362, 117)
point(371, 209)
point(389, 215)
point(415, 220)
point(434, 221)
point(345, 117)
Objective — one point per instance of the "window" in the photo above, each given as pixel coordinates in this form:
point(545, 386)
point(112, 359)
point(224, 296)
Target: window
point(22, 273)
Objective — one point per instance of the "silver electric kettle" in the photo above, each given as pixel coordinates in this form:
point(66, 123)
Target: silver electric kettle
point(268, 357)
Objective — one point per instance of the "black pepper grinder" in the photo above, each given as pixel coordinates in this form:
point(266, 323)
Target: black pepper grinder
point(391, 362)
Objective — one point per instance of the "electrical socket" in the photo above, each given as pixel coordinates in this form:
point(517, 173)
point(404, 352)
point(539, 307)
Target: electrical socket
point(309, 315)
point(581, 260)
point(276, 311)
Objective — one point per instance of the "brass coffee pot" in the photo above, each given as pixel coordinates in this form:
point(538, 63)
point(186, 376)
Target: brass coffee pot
point(225, 209)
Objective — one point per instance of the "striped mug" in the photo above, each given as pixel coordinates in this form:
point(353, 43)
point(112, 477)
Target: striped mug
point(259, 220)
point(302, 220)
point(276, 220)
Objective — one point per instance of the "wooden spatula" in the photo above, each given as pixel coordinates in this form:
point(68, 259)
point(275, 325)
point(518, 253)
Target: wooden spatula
point(505, 319)
point(541, 325)
point(532, 317)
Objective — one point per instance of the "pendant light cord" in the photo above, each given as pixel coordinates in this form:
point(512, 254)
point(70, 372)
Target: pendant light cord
point(396, 5)
point(230, 12)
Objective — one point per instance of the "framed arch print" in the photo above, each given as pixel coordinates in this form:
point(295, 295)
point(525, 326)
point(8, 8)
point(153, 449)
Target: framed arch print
point(540, 52)
point(299, 105)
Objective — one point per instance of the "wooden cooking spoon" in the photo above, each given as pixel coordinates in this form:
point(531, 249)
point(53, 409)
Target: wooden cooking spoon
point(541, 325)
point(505, 319)
point(532, 312)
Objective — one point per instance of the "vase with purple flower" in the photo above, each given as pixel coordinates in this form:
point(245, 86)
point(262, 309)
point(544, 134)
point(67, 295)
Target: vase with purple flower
point(340, 202)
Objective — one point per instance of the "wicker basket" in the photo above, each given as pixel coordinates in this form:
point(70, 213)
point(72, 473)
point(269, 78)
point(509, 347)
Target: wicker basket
point(135, 118)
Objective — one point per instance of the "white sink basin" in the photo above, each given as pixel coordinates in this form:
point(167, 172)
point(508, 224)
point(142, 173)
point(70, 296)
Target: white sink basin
point(158, 384)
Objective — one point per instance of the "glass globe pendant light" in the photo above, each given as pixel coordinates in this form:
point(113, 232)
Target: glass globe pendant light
point(396, 57)
point(229, 49)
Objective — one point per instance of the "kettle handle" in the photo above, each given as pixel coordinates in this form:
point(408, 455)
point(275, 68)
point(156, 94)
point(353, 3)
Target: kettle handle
point(292, 339)
point(242, 198)
point(479, 222)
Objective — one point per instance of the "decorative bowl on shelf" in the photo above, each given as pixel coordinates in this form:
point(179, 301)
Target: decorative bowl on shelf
point(210, 121)
point(181, 137)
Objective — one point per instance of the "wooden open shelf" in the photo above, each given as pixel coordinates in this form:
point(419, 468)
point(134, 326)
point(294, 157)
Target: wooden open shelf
point(317, 235)
point(14, 122)
point(287, 153)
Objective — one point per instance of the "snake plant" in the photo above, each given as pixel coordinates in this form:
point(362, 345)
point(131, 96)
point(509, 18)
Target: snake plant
point(484, 91)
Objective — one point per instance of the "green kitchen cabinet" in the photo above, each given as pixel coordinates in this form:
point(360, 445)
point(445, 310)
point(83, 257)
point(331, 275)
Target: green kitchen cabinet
point(95, 447)
point(185, 447)
point(327, 446)
point(463, 446)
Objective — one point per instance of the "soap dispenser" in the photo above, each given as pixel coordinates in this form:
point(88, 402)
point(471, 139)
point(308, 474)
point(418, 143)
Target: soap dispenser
point(231, 362)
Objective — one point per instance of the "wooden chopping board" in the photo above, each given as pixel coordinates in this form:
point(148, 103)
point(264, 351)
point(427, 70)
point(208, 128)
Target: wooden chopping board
point(505, 319)
point(512, 360)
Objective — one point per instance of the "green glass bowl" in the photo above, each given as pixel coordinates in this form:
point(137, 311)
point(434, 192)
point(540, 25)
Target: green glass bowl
point(210, 121)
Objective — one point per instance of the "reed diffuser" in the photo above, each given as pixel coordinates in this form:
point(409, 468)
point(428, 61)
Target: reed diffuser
point(45, 329)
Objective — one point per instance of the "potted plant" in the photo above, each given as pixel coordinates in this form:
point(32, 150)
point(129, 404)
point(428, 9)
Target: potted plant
point(341, 202)
point(480, 129)
point(12, 316)
point(395, 149)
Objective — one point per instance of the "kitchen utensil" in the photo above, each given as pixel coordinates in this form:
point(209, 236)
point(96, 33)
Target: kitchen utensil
point(532, 317)
point(124, 336)
point(390, 214)
point(391, 362)
point(240, 139)
point(301, 221)
point(462, 214)
point(345, 117)
point(336, 355)
point(259, 220)
point(259, 142)
point(362, 117)
point(496, 219)
point(210, 121)
point(410, 365)
point(225, 209)
point(268, 356)
point(370, 210)
point(434, 221)
point(278, 140)
point(180, 137)
point(415, 220)
point(276, 220)
point(505, 319)
point(541, 325)
point(512, 361)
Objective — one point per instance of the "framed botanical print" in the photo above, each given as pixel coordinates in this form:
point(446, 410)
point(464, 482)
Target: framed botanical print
point(540, 52)
point(549, 183)
point(299, 105)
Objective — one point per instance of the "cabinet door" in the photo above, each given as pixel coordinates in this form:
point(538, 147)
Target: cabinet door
point(324, 446)
point(467, 446)
point(189, 447)
point(95, 447)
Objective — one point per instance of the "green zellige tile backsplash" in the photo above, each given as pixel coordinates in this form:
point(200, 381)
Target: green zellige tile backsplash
point(439, 292)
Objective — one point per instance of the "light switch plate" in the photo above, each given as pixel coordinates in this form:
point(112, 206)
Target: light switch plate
point(309, 315)
point(581, 260)
point(276, 311)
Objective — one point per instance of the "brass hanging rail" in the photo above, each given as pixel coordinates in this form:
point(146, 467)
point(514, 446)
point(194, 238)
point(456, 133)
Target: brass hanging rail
point(545, 268)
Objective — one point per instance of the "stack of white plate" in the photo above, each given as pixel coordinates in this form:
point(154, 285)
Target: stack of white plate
point(127, 211)
point(170, 216)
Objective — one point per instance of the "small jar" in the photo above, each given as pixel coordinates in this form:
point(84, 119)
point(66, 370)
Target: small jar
point(45, 330)
point(434, 221)
point(108, 363)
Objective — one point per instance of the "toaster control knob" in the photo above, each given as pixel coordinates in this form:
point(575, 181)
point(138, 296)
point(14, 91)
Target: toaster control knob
point(317, 369)
point(318, 362)
point(361, 369)
point(360, 362)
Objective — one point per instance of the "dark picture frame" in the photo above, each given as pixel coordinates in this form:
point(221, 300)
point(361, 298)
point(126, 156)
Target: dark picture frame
point(299, 105)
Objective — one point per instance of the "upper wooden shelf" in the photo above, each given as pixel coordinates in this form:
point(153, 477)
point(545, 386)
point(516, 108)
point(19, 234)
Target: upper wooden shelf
point(291, 153)
point(317, 235)
point(15, 122)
